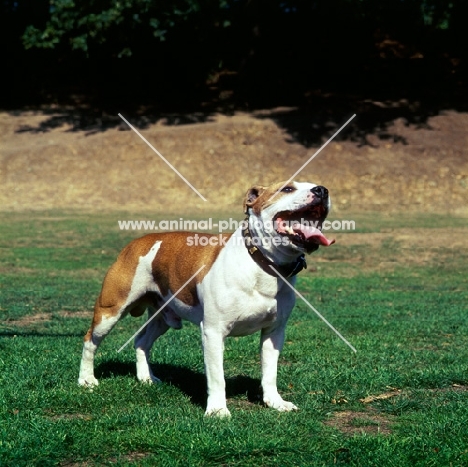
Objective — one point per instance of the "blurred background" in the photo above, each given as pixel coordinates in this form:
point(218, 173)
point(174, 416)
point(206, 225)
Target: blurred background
point(233, 92)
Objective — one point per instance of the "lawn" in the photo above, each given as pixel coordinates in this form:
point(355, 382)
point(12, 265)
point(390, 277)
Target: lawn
point(398, 294)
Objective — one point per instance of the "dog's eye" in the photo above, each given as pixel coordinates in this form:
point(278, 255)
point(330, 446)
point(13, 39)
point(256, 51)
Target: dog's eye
point(287, 189)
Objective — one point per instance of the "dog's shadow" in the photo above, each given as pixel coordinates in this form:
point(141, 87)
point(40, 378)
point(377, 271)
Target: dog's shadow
point(191, 383)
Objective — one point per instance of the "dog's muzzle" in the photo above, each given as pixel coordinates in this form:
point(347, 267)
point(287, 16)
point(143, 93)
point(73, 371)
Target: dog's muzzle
point(320, 192)
point(303, 226)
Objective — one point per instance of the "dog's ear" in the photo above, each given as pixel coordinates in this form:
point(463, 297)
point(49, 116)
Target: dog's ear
point(251, 196)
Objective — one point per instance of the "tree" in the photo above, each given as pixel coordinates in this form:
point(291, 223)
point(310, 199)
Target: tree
point(121, 27)
point(253, 47)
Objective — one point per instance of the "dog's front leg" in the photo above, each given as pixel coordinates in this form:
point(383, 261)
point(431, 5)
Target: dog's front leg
point(213, 348)
point(271, 346)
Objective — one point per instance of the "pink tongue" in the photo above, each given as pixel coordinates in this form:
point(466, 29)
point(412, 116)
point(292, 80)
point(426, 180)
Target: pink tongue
point(310, 232)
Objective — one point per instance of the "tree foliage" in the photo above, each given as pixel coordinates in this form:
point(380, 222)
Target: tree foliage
point(260, 49)
point(120, 27)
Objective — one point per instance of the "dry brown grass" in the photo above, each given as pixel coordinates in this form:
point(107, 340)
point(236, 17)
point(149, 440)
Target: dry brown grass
point(41, 318)
point(116, 170)
point(361, 422)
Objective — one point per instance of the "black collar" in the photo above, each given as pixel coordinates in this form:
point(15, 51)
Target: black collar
point(287, 270)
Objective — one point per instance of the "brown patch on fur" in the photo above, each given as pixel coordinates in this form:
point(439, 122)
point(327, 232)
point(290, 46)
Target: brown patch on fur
point(175, 262)
point(258, 197)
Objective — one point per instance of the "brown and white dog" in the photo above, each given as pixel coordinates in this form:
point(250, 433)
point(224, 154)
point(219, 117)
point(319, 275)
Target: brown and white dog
point(236, 293)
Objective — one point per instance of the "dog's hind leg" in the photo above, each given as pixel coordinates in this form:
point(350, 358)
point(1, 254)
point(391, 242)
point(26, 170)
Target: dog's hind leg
point(103, 322)
point(155, 328)
point(127, 288)
point(114, 301)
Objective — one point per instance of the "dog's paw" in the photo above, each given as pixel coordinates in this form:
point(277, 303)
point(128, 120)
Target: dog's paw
point(149, 379)
point(222, 412)
point(145, 373)
point(88, 382)
point(279, 404)
point(286, 407)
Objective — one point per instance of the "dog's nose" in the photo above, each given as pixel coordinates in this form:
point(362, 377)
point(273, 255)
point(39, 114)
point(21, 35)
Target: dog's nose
point(320, 191)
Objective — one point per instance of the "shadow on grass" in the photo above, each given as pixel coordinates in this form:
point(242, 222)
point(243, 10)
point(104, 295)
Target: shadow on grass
point(191, 383)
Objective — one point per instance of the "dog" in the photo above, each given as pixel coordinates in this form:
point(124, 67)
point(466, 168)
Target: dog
point(240, 290)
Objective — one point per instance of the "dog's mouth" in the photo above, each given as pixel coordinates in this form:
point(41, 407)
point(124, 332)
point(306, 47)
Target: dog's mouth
point(303, 226)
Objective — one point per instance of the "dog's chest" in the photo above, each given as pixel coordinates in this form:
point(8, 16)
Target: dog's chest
point(255, 316)
point(247, 311)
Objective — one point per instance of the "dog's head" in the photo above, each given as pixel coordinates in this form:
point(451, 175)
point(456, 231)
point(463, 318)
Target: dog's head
point(293, 213)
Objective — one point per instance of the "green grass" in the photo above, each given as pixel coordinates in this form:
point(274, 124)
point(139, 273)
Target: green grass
point(408, 323)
